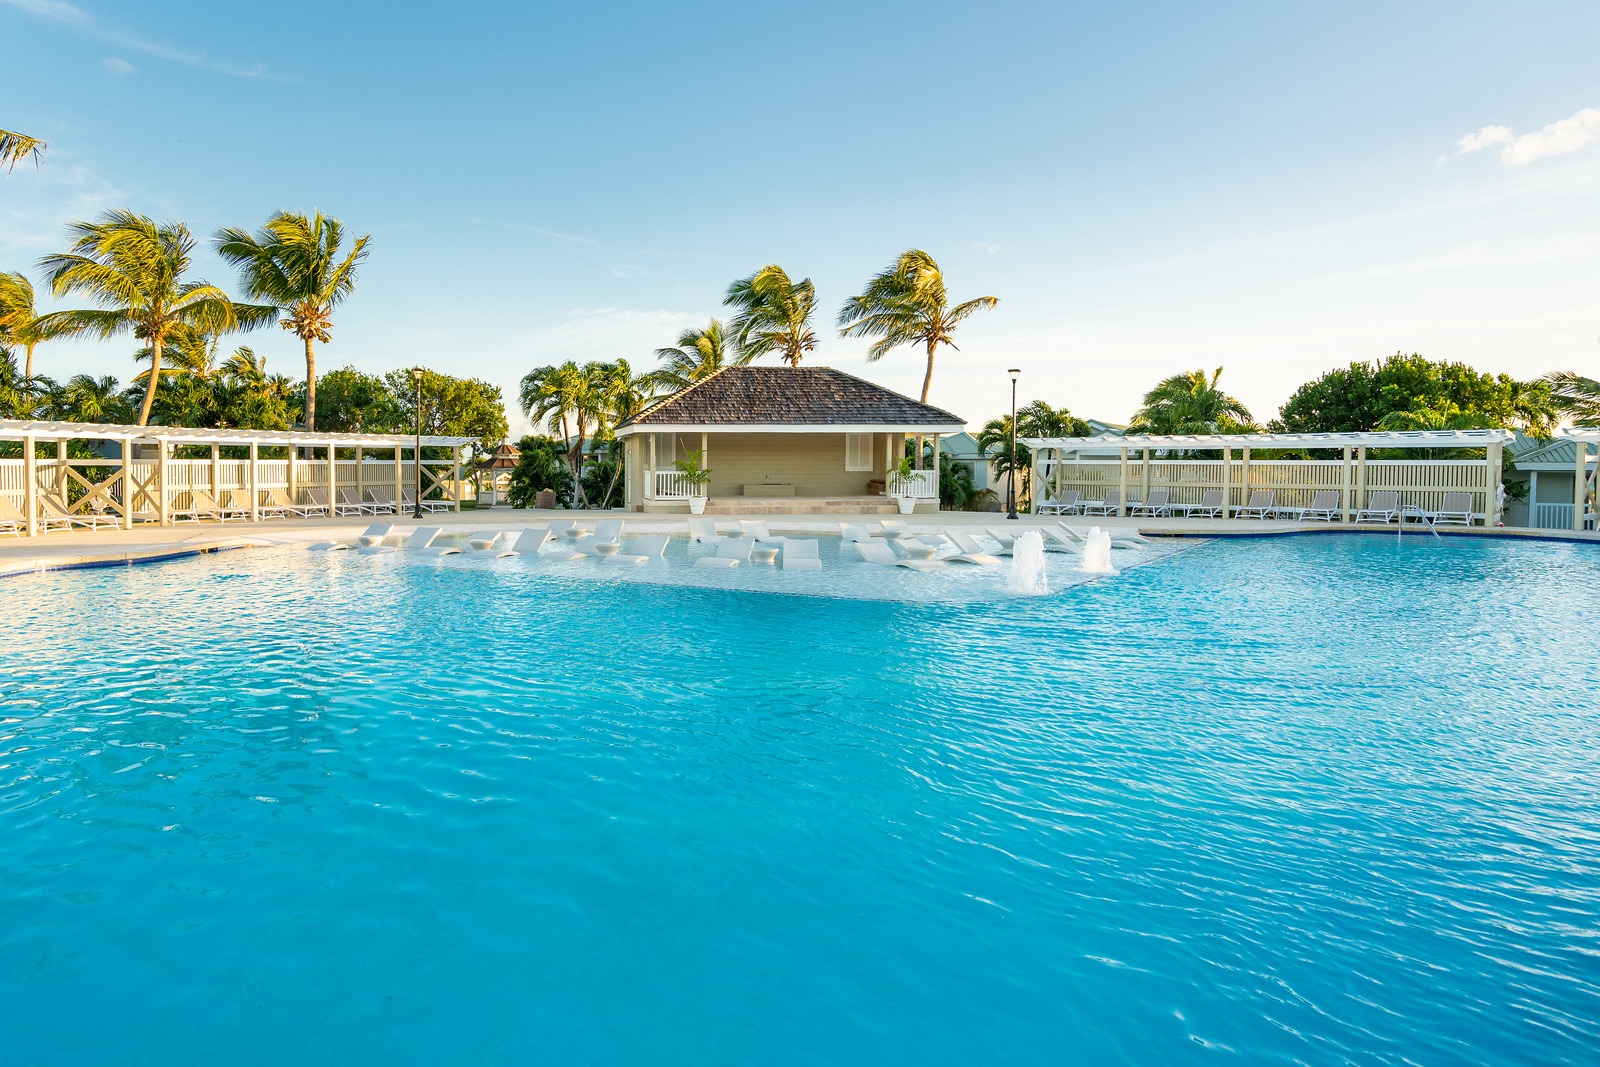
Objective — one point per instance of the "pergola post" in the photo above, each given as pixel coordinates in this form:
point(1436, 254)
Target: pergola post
point(216, 488)
point(1495, 455)
point(1361, 477)
point(30, 485)
point(62, 480)
point(255, 483)
point(455, 474)
point(1227, 482)
point(125, 477)
point(1055, 454)
point(163, 472)
point(361, 480)
point(333, 482)
point(1580, 482)
point(1144, 480)
point(1344, 486)
point(1122, 484)
point(399, 493)
point(294, 487)
point(1244, 473)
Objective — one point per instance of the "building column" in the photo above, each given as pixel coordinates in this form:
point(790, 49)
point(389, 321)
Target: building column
point(1533, 499)
point(650, 470)
point(30, 485)
point(936, 504)
point(1227, 482)
point(126, 478)
point(1344, 490)
point(1580, 482)
point(255, 483)
point(1122, 484)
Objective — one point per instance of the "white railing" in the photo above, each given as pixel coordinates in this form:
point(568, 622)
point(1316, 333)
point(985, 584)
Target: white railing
point(922, 485)
point(672, 485)
point(1552, 516)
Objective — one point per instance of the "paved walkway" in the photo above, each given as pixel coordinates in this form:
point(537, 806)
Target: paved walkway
point(144, 542)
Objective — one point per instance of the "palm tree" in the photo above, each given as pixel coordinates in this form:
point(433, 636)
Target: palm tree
point(20, 321)
point(1039, 419)
point(88, 399)
point(295, 263)
point(564, 399)
point(134, 269)
point(1190, 403)
point(773, 314)
point(15, 147)
point(907, 305)
point(700, 354)
point(246, 368)
point(21, 397)
point(1577, 396)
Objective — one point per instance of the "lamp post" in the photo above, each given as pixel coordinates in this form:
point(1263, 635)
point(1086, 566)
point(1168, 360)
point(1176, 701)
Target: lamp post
point(416, 454)
point(1011, 481)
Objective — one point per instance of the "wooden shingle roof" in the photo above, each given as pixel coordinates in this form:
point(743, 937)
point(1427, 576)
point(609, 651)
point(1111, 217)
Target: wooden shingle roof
point(791, 397)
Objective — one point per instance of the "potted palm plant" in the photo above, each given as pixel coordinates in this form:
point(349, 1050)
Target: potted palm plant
point(692, 467)
point(899, 476)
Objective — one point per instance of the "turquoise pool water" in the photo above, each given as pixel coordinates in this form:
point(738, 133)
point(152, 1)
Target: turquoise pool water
point(1330, 800)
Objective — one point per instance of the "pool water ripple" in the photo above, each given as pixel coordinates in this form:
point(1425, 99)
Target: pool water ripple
point(1297, 801)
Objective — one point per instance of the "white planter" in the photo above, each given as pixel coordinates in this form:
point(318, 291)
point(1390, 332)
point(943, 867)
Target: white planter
point(908, 504)
point(697, 505)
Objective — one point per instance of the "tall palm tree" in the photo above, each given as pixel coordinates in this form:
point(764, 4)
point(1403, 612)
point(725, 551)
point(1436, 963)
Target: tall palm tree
point(295, 263)
point(21, 397)
point(1190, 403)
point(700, 354)
point(20, 321)
point(135, 270)
point(1039, 419)
point(564, 398)
point(907, 305)
point(1577, 396)
point(15, 147)
point(773, 314)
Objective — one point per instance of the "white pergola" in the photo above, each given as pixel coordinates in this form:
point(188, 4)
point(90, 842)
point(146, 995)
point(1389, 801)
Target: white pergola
point(117, 493)
point(1582, 481)
point(1352, 446)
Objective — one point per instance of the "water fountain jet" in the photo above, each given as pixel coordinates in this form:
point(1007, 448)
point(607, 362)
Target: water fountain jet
point(1027, 577)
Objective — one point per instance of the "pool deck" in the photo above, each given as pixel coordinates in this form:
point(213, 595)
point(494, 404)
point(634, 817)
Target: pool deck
point(101, 548)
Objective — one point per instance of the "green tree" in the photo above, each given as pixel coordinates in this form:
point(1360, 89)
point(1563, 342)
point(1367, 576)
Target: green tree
point(1191, 403)
point(297, 264)
point(542, 465)
point(700, 354)
point(451, 407)
point(20, 322)
point(15, 147)
point(88, 399)
point(773, 314)
point(907, 305)
point(1362, 395)
point(21, 397)
point(1576, 396)
point(353, 402)
point(1039, 419)
point(565, 400)
point(135, 270)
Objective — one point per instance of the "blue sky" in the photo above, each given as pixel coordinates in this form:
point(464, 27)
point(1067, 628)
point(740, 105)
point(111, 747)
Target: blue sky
point(1275, 188)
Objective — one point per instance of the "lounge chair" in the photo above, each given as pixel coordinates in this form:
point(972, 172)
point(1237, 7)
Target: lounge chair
point(534, 541)
point(1155, 505)
point(420, 543)
point(559, 528)
point(1210, 506)
point(1111, 503)
point(316, 503)
point(606, 532)
point(731, 552)
point(12, 520)
point(1455, 508)
point(201, 506)
point(382, 503)
point(800, 555)
point(1259, 506)
point(703, 531)
point(1383, 506)
point(1065, 504)
point(645, 549)
point(756, 530)
point(854, 531)
point(892, 529)
point(1060, 539)
point(369, 540)
point(55, 514)
point(1324, 507)
point(279, 506)
point(881, 554)
point(350, 504)
point(968, 550)
point(1119, 538)
point(483, 542)
point(408, 501)
point(236, 504)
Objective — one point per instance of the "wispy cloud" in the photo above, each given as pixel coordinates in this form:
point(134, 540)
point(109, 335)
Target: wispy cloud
point(118, 66)
point(985, 246)
point(65, 14)
point(1557, 139)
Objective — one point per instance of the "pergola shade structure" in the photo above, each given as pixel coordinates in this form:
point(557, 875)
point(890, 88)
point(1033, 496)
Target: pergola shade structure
point(1135, 464)
point(135, 477)
point(1585, 474)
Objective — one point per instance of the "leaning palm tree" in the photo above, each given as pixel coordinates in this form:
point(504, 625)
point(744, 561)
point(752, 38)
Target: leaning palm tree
point(244, 367)
point(295, 263)
point(700, 354)
point(1576, 396)
point(773, 314)
point(20, 322)
point(134, 269)
point(1190, 403)
point(907, 305)
point(15, 147)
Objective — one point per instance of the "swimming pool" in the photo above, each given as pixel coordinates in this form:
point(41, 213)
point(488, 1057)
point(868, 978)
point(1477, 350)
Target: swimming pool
point(1300, 800)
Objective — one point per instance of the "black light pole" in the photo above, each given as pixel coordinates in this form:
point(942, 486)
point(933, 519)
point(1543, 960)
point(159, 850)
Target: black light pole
point(1011, 482)
point(416, 373)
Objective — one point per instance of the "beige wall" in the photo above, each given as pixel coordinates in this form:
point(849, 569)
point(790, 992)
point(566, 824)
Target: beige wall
point(813, 463)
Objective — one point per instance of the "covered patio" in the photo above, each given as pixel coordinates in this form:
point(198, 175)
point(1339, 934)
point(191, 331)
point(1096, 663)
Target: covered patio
point(132, 475)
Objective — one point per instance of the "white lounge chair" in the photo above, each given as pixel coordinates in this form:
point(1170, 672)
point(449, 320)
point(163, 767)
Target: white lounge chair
point(1065, 504)
point(55, 513)
point(201, 506)
point(350, 504)
point(756, 530)
point(408, 501)
point(482, 543)
point(369, 540)
point(382, 503)
point(644, 549)
point(1383, 506)
point(606, 532)
point(1324, 507)
point(1119, 538)
point(530, 541)
point(12, 520)
point(703, 530)
point(1210, 506)
point(891, 529)
point(854, 531)
point(420, 543)
point(968, 550)
point(1259, 506)
point(1456, 508)
point(236, 504)
point(317, 503)
point(800, 555)
point(1061, 539)
point(881, 554)
point(731, 552)
point(559, 527)
point(1109, 505)
point(1154, 505)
